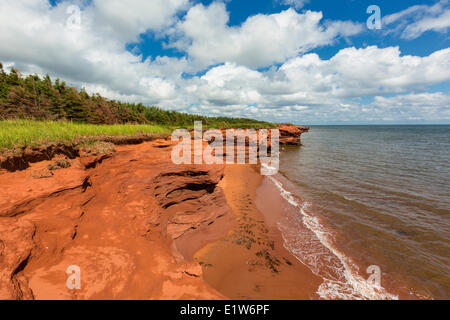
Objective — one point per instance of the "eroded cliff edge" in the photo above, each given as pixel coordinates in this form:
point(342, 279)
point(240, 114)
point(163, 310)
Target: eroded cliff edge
point(130, 220)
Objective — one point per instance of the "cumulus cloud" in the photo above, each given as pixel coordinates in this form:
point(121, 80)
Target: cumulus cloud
point(127, 19)
point(260, 41)
point(412, 22)
point(422, 106)
point(309, 84)
point(35, 36)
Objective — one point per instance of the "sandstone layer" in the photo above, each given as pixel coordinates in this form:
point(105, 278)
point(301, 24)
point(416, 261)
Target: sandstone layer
point(120, 222)
point(130, 220)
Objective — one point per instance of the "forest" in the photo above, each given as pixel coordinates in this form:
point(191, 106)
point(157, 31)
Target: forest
point(33, 97)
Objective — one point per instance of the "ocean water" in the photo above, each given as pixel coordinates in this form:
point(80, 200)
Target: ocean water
point(369, 199)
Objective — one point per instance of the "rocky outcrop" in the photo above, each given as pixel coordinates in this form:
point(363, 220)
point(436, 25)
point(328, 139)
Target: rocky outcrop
point(21, 158)
point(190, 202)
point(130, 223)
point(291, 134)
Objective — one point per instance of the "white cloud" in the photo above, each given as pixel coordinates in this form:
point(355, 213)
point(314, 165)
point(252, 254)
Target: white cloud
point(422, 106)
point(414, 100)
point(297, 4)
point(35, 37)
point(359, 72)
point(309, 87)
point(412, 22)
point(128, 19)
point(440, 23)
point(260, 41)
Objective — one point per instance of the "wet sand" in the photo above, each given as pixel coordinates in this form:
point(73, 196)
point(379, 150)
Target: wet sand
point(251, 262)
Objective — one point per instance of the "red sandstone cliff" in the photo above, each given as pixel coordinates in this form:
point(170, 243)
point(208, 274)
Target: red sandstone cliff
point(131, 224)
point(291, 135)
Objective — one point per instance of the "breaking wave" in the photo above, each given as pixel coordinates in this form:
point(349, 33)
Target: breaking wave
point(313, 246)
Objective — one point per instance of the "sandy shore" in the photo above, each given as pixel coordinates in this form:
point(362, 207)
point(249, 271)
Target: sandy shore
point(251, 262)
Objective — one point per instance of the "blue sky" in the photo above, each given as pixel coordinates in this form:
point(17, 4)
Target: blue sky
point(302, 61)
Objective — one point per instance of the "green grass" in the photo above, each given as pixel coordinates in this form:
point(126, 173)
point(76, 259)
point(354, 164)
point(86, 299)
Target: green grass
point(19, 133)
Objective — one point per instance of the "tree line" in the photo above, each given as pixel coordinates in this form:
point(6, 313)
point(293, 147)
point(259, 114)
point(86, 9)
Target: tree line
point(33, 97)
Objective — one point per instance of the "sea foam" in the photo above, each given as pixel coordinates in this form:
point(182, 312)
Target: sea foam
point(341, 279)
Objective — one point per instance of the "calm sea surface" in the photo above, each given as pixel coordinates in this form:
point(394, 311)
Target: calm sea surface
point(371, 196)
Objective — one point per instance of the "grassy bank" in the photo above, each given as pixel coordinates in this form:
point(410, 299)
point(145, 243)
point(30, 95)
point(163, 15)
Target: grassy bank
point(62, 113)
point(18, 133)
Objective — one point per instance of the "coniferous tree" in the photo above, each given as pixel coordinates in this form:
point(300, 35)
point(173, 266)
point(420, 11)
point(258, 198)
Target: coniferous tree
point(3, 88)
point(33, 97)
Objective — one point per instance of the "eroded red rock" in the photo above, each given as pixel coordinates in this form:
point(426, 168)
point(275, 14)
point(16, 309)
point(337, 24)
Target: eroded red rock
point(130, 224)
point(130, 220)
point(291, 135)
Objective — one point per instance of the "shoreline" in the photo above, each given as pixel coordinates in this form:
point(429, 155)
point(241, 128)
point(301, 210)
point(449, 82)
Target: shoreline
point(251, 261)
point(132, 221)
